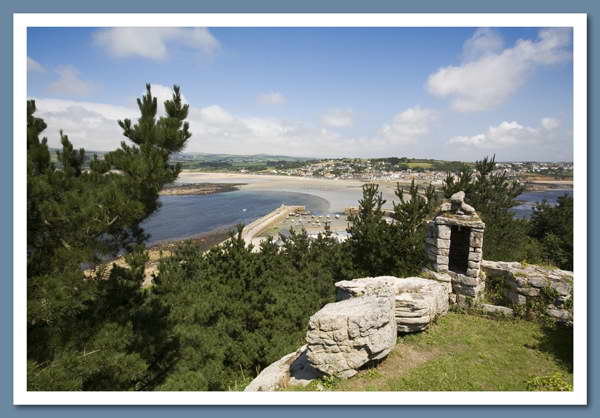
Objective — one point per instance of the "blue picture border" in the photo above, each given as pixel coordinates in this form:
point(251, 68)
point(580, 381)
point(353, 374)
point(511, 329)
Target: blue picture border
point(8, 7)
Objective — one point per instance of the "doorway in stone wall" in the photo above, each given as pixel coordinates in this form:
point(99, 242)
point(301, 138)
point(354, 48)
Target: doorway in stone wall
point(458, 257)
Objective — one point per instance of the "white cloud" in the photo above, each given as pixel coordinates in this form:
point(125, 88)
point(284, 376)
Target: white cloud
point(89, 125)
point(34, 66)
point(153, 43)
point(273, 97)
point(488, 77)
point(485, 41)
point(216, 130)
point(510, 134)
point(550, 123)
point(406, 127)
point(338, 118)
point(69, 83)
point(214, 115)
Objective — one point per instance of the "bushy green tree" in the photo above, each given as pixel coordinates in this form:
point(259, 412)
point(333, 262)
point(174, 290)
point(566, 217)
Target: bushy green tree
point(493, 194)
point(409, 229)
point(379, 247)
point(237, 310)
point(370, 241)
point(553, 227)
point(86, 333)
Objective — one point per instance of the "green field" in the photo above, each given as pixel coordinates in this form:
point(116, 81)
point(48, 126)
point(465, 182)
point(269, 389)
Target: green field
point(463, 352)
point(419, 165)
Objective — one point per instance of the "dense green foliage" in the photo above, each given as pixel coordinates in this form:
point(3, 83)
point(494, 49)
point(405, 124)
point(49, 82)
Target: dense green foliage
point(546, 238)
point(553, 227)
point(493, 194)
point(237, 310)
point(379, 247)
point(93, 334)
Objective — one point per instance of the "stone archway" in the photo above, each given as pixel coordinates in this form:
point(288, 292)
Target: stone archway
point(458, 257)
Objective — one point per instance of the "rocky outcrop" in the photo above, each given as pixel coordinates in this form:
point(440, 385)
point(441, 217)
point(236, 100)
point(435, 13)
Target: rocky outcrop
point(346, 335)
point(417, 301)
point(527, 284)
point(291, 370)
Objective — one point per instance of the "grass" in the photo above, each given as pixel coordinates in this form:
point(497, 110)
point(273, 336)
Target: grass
point(465, 352)
point(419, 165)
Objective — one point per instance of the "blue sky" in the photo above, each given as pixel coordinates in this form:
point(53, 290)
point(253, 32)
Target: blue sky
point(448, 93)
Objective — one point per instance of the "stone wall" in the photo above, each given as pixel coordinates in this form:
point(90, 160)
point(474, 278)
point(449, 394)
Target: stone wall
point(533, 287)
point(457, 225)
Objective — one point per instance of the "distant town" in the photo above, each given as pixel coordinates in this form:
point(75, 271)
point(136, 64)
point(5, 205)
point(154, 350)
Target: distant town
point(365, 169)
point(392, 169)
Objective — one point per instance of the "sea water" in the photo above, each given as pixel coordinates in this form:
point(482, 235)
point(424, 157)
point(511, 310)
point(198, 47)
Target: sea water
point(186, 216)
point(529, 199)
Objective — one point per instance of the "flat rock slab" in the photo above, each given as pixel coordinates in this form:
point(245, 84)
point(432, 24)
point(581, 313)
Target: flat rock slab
point(346, 335)
point(497, 310)
point(417, 301)
point(291, 370)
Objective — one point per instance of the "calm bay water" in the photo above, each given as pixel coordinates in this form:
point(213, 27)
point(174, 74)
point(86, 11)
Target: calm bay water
point(531, 198)
point(186, 216)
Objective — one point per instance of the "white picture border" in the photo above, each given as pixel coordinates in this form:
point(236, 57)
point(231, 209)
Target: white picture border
point(579, 24)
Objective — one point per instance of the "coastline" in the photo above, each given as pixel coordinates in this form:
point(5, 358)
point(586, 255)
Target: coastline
point(188, 189)
point(340, 194)
point(542, 185)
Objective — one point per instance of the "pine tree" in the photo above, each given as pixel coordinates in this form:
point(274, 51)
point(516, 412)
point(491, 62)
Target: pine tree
point(86, 333)
point(493, 194)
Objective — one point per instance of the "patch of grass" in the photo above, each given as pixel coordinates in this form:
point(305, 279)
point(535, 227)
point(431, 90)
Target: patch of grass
point(419, 165)
point(553, 383)
point(464, 352)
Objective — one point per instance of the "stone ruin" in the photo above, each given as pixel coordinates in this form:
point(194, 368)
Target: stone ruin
point(362, 326)
point(359, 329)
point(454, 246)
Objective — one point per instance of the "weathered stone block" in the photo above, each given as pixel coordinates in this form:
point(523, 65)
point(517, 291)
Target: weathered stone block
point(343, 336)
point(442, 243)
point(417, 300)
point(443, 232)
point(475, 256)
point(442, 268)
point(476, 240)
point(497, 310)
point(473, 265)
point(291, 370)
point(434, 275)
point(473, 272)
point(468, 209)
point(465, 280)
point(458, 197)
point(471, 291)
point(538, 281)
point(528, 291)
point(442, 259)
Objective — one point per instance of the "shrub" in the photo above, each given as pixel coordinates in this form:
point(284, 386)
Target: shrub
point(553, 383)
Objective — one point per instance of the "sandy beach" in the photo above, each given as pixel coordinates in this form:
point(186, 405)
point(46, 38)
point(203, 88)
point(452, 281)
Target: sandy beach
point(340, 194)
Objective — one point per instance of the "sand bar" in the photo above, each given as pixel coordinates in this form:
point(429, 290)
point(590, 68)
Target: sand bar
point(340, 194)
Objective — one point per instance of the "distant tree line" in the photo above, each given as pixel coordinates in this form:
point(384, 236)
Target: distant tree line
point(212, 320)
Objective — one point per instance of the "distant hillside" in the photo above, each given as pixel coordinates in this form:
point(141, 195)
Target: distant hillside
point(232, 158)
